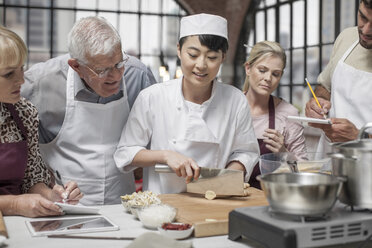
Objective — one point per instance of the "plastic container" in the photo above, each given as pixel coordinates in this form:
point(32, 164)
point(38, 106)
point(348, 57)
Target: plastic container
point(277, 162)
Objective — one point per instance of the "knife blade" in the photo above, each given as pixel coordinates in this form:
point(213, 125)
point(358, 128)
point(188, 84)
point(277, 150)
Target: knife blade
point(223, 182)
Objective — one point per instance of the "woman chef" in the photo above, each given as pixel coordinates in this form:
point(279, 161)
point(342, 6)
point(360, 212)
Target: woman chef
point(21, 168)
point(264, 69)
point(191, 121)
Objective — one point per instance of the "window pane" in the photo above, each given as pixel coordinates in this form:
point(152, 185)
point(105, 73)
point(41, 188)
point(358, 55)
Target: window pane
point(39, 30)
point(170, 35)
point(170, 7)
point(153, 63)
point(110, 17)
point(270, 2)
point(347, 14)
point(41, 3)
point(86, 4)
point(284, 93)
point(271, 24)
point(297, 99)
point(152, 6)
point(260, 26)
point(16, 21)
point(312, 22)
point(150, 35)
point(1, 15)
point(326, 54)
point(298, 23)
point(129, 5)
point(298, 66)
point(312, 64)
point(108, 4)
point(64, 3)
point(63, 22)
point(328, 25)
point(287, 70)
point(18, 2)
point(81, 14)
point(284, 26)
point(129, 33)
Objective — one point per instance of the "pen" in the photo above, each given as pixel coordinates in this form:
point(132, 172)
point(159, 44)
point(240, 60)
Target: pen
point(316, 99)
point(59, 181)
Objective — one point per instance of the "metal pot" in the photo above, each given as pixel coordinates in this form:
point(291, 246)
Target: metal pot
point(300, 193)
point(353, 160)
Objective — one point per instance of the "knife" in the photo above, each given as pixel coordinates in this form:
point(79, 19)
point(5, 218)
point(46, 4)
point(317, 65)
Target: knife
point(223, 182)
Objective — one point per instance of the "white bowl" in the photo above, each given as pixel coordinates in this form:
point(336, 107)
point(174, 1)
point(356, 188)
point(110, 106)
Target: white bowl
point(176, 234)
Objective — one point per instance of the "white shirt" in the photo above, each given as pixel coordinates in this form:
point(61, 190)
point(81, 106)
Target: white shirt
point(161, 117)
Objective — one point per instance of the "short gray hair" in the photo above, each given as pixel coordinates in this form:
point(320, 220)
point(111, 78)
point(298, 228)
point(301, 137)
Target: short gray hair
point(91, 36)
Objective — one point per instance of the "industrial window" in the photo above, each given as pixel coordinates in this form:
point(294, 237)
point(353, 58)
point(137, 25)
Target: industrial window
point(148, 28)
point(306, 29)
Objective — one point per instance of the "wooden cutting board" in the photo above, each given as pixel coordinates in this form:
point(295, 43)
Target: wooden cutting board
point(210, 217)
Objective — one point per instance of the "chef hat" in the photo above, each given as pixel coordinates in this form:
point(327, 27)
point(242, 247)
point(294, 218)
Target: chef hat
point(203, 24)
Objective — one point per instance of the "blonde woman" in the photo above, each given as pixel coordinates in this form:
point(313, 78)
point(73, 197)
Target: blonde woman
point(264, 69)
point(24, 178)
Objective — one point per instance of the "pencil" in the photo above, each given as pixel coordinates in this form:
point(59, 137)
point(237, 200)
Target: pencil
point(316, 99)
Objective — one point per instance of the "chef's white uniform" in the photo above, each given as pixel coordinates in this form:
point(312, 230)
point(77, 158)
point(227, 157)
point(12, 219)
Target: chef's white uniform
point(213, 133)
point(83, 149)
point(350, 96)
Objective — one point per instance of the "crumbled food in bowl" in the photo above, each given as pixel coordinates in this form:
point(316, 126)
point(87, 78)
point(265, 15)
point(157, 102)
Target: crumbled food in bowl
point(143, 199)
point(155, 215)
point(176, 226)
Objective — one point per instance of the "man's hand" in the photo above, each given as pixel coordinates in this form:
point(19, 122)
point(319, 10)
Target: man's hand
point(182, 165)
point(312, 109)
point(341, 130)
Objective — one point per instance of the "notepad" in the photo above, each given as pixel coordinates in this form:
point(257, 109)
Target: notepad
point(77, 209)
point(311, 120)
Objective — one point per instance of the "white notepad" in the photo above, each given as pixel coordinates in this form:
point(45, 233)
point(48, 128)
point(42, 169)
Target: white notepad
point(311, 120)
point(77, 209)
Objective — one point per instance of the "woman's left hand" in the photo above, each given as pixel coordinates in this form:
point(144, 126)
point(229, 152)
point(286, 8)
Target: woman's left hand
point(70, 192)
point(274, 140)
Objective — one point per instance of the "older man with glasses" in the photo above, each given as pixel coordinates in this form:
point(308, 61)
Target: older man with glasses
point(84, 99)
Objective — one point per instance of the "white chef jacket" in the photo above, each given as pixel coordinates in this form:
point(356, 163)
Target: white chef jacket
point(213, 134)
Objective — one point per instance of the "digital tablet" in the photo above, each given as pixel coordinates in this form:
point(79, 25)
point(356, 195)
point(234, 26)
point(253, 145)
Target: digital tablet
point(311, 120)
point(77, 209)
point(70, 225)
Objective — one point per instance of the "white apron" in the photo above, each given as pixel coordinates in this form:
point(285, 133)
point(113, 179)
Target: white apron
point(84, 147)
point(350, 96)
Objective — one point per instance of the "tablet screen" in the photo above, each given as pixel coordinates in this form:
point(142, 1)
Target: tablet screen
point(70, 225)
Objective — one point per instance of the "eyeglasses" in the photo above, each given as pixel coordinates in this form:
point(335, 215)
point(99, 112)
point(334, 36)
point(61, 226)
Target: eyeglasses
point(105, 72)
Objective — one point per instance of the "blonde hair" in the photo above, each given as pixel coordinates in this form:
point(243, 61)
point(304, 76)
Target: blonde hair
point(262, 50)
point(12, 49)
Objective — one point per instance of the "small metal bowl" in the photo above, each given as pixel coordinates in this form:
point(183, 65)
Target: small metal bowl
point(306, 194)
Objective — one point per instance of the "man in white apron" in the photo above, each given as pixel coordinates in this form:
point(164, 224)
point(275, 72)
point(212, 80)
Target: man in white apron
point(346, 83)
point(95, 112)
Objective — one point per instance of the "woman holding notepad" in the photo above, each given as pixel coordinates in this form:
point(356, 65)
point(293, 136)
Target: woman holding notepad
point(25, 182)
point(264, 69)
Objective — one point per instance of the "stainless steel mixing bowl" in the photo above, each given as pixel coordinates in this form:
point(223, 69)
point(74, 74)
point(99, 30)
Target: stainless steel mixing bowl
point(300, 193)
